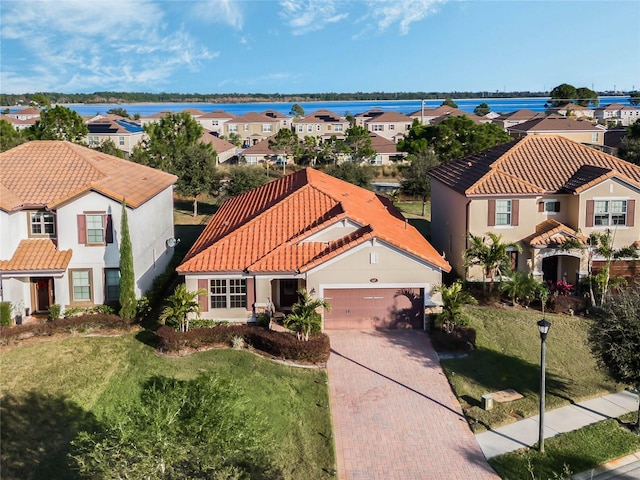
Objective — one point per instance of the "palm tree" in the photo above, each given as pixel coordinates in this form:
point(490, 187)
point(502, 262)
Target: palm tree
point(493, 256)
point(453, 299)
point(520, 286)
point(179, 306)
point(304, 317)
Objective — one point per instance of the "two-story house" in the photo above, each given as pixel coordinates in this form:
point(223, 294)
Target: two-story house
point(252, 128)
point(123, 132)
point(519, 116)
point(214, 121)
point(617, 113)
point(390, 125)
point(582, 131)
point(538, 191)
point(321, 124)
point(60, 212)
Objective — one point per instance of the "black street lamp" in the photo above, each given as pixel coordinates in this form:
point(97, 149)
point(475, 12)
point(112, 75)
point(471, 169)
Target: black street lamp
point(543, 327)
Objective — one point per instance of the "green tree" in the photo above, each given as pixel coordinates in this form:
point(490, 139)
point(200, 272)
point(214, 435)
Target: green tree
point(562, 94)
point(9, 136)
point(358, 143)
point(450, 103)
point(304, 317)
point(331, 151)
point(196, 170)
point(110, 148)
point(127, 298)
point(586, 96)
point(520, 287)
point(360, 175)
point(491, 254)
point(615, 339)
point(179, 306)
point(453, 299)
point(482, 109)
point(287, 143)
point(60, 123)
point(634, 98)
point(234, 139)
point(242, 178)
point(417, 182)
point(179, 429)
point(122, 112)
point(630, 147)
point(40, 100)
point(297, 110)
point(167, 141)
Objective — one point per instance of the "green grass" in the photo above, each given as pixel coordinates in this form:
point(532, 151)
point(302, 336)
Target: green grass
point(52, 389)
point(507, 356)
point(413, 213)
point(575, 452)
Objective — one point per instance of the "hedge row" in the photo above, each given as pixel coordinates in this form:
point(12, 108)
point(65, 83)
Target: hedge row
point(462, 339)
point(278, 344)
point(81, 323)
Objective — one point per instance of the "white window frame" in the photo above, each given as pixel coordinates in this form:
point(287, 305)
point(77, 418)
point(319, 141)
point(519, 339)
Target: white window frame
point(227, 293)
point(266, 127)
point(91, 225)
point(378, 128)
point(40, 219)
point(81, 280)
point(338, 127)
point(503, 212)
point(233, 127)
point(603, 209)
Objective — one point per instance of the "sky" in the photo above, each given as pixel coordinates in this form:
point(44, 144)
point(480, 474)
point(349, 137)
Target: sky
point(317, 46)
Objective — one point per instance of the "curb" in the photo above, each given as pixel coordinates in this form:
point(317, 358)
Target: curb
point(612, 469)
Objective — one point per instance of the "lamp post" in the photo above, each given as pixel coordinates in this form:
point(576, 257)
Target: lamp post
point(543, 327)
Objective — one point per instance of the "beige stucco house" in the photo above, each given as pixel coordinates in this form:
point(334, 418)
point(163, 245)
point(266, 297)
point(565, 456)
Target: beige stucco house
point(252, 128)
point(214, 121)
point(581, 131)
point(310, 230)
point(538, 191)
point(123, 132)
point(321, 124)
point(390, 125)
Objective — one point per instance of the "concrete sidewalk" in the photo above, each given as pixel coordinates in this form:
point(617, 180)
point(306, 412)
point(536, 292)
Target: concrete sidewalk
point(524, 433)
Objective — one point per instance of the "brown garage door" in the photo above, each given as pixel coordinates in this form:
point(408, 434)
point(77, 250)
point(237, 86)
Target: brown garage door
point(366, 308)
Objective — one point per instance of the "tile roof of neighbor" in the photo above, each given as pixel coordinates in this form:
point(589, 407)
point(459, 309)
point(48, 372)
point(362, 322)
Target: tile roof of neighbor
point(219, 145)
point(114, 126)
point(522, 114)
point(48, 173)
point(274, 114)
point(264, 230)
point(552, 232)
point(391, 117)
point(17, 121)
point(253, 117)
point(217, 114)
point(533, 165)
point(260, 148)
point(37, 255)
point(556, 124)
point(382, 145)
point(322, 116)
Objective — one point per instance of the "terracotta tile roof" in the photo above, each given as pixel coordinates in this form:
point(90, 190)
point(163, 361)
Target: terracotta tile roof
point(532, 165)
point(390, 117)
point(381, 144)
point(218, 114)
point(611, 106)
point(114, 126)
point(194, 112)
point(270, 228)
point(27, 111)
point(522, 114)
point(219, 145)
point(553, 233)
point(274, 114)
point(322, 116)
point(556, 124)
point(17, 121)
point(162, 114)
point(260, 148)
point(37, 255)
point(47, 173)
point(253, 117)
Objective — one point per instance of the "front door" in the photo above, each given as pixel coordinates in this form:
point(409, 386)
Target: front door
point(550, 269)
point(288, 293)
point(43, 287)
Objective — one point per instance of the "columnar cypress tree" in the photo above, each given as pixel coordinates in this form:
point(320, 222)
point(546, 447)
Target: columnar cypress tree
point(127, 277)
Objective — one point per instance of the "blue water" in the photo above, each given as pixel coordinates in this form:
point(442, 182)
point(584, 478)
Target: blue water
point(499, 105)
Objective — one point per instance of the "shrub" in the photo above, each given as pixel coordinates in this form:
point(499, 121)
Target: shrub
point(568, 305)
point(54, 311)
point(263, 320)
point(5, 313)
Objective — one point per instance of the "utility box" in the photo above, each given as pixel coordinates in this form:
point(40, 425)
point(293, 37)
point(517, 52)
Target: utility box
point(487, 401)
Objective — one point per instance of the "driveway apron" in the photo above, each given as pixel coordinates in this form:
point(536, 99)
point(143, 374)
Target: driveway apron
point(394, 414)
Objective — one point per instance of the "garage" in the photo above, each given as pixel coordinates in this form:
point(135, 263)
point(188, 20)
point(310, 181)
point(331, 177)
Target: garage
point(369, 308)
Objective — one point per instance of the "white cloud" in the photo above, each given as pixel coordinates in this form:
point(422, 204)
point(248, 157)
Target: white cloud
point(75, 45)
point(229, 12)
point(310, 15)
point(385, 13)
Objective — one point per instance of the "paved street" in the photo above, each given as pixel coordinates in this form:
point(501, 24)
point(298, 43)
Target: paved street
point(394, 415)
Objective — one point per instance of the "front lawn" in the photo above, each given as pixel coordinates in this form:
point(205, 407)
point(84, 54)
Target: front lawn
point(507, 356)
point(55, 388)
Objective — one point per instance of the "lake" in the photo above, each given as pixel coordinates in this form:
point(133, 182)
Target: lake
point(499, 105)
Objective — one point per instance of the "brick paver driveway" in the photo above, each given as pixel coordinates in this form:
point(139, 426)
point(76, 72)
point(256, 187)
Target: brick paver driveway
point(394, 414)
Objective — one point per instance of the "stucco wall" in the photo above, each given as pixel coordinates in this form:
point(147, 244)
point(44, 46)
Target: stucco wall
point(448, 223)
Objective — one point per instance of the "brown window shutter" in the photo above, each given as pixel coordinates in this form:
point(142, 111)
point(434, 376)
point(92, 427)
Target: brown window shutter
point(588, 221)
point(108, 229)
point(82, 229)
point(250, 293)
point(515, 212)
point(203, 300)
point(631, 212)
point(541, 207)
point(491, 219)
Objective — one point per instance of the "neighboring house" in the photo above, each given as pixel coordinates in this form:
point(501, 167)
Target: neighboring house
point(386, 150)
point(154, 118)
point(537, 191)
point(321, 124)
point(260, 153)
point(60, 209)
point(29, 113)
point(16, 123)
point(285, 121)
point(572, 110)
point(194, 112)
point(425, 115)
point(390, 125)
point(310, 230)
point(252, 128)
point(214, 121)
point(581, 131)
point(618, 113)
point(225, 150)
point(519, 116)
point(123, 132)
